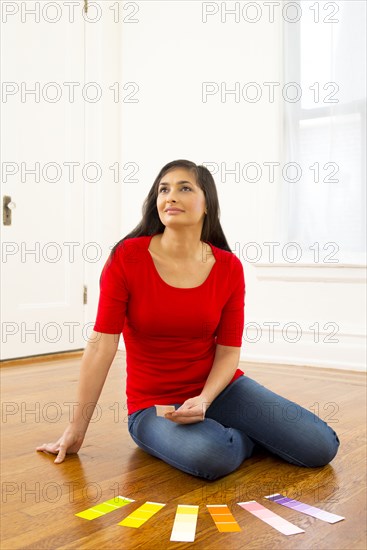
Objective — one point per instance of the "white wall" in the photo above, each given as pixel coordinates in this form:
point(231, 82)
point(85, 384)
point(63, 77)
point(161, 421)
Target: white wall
point(169, 52)
point(103, 145)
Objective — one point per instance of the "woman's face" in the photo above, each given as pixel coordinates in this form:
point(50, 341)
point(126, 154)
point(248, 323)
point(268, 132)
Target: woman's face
point(178, 189)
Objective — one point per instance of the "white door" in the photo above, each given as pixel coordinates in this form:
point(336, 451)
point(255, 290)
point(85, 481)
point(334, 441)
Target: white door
point(42, 157)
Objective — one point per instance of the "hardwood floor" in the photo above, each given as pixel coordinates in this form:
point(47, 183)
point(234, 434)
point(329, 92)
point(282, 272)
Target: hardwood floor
point(40, 499)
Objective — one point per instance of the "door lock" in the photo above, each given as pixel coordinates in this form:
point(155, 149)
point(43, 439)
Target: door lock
point(8, 206)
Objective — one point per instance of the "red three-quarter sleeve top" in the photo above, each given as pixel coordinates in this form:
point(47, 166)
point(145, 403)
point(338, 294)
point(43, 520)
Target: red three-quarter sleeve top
point(170, 333)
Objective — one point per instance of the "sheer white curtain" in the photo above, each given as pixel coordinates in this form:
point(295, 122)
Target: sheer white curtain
point(325, 132)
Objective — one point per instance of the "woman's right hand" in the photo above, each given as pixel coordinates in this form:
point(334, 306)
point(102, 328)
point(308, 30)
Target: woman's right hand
point(69, 442)
point(96, 361)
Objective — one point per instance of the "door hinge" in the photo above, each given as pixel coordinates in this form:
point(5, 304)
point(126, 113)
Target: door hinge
point(85, 294)
point(86, 6)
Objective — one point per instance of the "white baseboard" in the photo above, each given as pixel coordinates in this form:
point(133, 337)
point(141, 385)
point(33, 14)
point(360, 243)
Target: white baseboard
point(303, 362)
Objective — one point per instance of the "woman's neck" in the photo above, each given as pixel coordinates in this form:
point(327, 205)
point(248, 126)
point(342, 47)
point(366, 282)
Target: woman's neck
point(182, 244)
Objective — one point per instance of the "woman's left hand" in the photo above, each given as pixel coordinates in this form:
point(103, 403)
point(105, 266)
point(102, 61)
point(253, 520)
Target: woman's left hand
point(191, 411)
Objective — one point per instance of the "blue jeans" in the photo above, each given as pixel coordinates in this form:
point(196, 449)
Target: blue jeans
point(243, 415)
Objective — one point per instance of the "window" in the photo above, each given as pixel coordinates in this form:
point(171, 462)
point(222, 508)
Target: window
point(324, 195)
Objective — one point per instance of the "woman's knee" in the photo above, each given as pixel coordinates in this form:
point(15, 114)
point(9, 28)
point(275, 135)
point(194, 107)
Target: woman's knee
point(206, 449)
point(214, 457)
point(322, 449)
point(324, 452)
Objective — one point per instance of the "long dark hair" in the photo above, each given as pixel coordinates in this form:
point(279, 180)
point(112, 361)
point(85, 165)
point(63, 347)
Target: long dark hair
point(151, 224)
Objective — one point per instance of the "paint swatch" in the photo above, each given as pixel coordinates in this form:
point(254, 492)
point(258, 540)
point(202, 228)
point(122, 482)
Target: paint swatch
point(184, 526)
point(104, 508)
point(304, 508)
point(223, 518)
point(161, 410)
point(279, 523)
point(141, 514)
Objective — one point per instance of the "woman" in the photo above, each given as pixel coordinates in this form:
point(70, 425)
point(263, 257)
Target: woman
point(176, 291)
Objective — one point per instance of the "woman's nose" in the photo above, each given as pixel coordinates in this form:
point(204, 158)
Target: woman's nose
point(171, 196)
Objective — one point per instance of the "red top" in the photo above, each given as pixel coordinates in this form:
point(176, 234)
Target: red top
point(170, 333)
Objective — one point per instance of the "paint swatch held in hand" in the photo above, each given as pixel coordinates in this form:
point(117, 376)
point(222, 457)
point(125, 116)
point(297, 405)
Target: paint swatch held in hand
point(184, 526)
point(161, 410)
point(305, 508)
point(266, 515)
point(142, 514)
point(223, 518)
point(104, 508)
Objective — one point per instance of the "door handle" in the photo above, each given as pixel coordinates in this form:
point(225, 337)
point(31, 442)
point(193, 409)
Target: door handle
point(8, 206)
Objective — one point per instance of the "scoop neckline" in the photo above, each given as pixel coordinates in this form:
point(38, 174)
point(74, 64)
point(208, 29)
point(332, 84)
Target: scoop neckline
point(179, 287)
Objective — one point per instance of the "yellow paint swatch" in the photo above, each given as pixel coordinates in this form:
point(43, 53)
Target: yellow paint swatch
point(184, 526)
point(223, 518)
point(142, 514)
point(104, 508)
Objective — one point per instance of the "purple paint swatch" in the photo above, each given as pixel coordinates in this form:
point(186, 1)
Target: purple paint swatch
point(304, 508)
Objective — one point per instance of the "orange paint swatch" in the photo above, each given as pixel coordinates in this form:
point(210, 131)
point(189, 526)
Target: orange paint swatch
point(223, 518)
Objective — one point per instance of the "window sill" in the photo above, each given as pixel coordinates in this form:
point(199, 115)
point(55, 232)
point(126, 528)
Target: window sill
point(311, 272)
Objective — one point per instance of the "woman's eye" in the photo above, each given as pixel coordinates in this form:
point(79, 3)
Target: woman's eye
point(165, 188)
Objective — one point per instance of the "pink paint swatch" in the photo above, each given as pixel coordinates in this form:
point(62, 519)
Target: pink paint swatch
point(279, 523)
point(304, 508)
